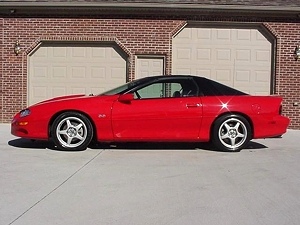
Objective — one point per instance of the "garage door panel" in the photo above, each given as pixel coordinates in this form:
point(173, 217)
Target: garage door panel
point(114, 54)
point(75, 90)
point(56, 52)
point(41, 54)
point(149, 66)
point(263, 56)
point(260, 39)
point(223, 55)
point(56, 91)
point(40, 92)
point(204, 54)
point(97, 90)
point(224, 75)
point(243, 35)
point(158, 65)
point(261, 77)
point(223, 35)
point(98, 72)
point(40, 71)
point(57, 72)
point(98, 53)
point(183, 71)
point(243, 55)
point(79, 52)
point(62, 70)
point(243, 76)
point(183, 36)
point(117, 73)
point(204, 72)
point(184, 53)
point(78, 72)
point(231, 56)
point(204, 34)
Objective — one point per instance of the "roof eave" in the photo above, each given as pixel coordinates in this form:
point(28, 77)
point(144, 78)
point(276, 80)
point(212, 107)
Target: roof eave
point(81, 7)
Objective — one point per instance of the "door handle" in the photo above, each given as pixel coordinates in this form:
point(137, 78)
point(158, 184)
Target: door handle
point(193, 105)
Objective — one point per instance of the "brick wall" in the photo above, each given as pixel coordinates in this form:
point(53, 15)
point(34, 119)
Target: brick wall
point(134, 36)
point(288, 69)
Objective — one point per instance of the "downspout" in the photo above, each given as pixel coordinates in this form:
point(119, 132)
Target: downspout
point(1, 72)
point(22, 79)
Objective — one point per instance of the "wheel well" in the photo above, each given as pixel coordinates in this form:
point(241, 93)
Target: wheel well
point(70, 111)
point(233, 113)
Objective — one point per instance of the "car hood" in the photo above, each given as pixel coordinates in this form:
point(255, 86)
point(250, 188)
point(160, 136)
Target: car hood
point(67, 97)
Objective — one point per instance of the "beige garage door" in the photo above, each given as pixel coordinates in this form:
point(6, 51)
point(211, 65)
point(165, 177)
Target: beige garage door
point(62, 69)
point(240, 58)
point(149, 66)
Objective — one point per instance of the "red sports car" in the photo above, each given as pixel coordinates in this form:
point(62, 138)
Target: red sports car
point(155, 109)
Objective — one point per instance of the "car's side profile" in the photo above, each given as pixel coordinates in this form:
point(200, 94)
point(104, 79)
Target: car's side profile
point(155, 109)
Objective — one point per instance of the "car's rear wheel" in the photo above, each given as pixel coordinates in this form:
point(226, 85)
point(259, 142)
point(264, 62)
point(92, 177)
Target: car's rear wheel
point(72, 131)
point(231, 133)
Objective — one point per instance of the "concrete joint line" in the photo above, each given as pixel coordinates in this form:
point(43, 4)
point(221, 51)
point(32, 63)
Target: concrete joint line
point(72, 175)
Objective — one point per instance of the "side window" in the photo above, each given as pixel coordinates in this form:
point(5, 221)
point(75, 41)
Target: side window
point(166, 89)
point(184, 88)
point(189, 88)
point(156, 90)
point(175, 89)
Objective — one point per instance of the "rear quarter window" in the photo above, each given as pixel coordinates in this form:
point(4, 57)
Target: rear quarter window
point(213, 88)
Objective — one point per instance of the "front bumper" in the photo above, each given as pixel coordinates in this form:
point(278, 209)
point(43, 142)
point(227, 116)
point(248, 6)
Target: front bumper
point(28, 128)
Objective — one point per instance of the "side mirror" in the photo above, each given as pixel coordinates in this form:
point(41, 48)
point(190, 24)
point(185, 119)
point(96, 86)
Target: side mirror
point(126, 98)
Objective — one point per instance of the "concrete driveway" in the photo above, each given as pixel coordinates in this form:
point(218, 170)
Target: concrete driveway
point(157, 184)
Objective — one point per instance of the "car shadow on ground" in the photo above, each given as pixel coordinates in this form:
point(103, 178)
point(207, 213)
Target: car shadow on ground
point(33, 144)
point(168, 146)
point(38, 144)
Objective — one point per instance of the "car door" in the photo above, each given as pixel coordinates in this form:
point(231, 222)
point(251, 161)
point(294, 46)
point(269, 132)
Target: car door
point(158, 113)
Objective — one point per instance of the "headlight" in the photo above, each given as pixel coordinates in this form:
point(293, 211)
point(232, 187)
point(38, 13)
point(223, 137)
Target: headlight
point(25, 112)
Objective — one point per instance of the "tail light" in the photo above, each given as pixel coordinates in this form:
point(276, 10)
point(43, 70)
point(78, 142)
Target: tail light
point(280, 110)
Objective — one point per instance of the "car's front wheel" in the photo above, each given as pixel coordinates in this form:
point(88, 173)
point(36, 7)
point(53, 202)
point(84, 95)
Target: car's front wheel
point(231, 133)
point(72, 131)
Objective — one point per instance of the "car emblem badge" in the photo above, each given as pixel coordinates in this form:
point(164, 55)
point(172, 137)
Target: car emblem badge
point(101, 115)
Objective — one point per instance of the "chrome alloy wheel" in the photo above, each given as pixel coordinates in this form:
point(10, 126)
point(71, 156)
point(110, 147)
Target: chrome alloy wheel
point(232, 133)
point(71, 132)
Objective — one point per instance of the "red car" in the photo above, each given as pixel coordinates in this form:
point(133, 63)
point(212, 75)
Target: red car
point(155, 109)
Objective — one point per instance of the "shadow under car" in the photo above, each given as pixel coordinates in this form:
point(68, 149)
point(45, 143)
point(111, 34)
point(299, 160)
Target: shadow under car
point(39, 144)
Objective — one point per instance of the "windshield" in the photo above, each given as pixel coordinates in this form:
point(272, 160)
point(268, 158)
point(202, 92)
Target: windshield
point(125, 87)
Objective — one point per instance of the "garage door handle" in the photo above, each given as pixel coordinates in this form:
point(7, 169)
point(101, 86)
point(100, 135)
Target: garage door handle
point(193, 105)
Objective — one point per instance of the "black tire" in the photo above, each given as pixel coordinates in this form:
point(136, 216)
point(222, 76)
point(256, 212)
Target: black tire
point(72, 131)
point(231, 133)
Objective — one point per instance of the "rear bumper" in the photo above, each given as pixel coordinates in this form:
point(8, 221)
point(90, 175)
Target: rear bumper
point(271, 127)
